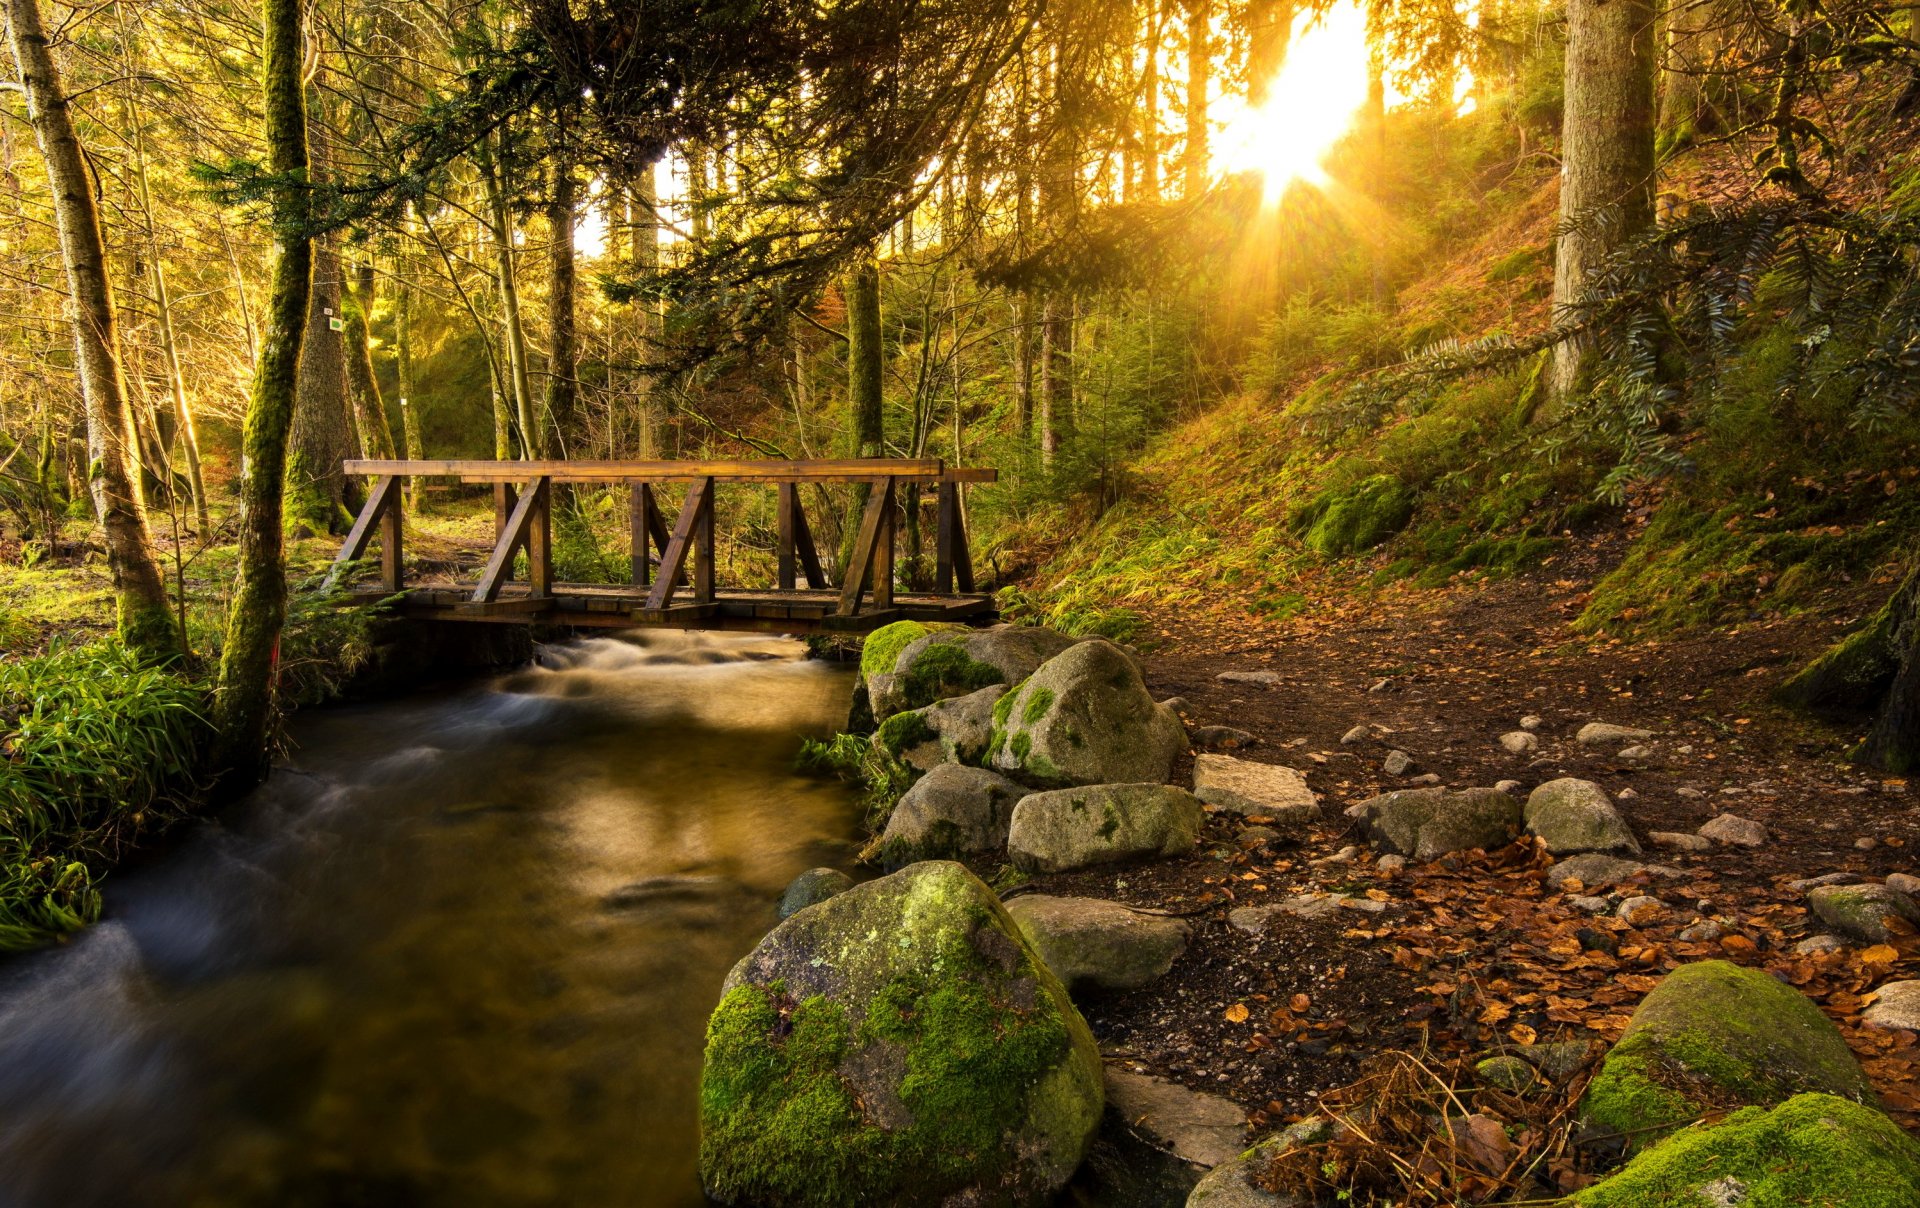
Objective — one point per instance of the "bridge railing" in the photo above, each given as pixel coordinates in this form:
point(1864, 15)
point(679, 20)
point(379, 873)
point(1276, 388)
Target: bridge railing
point(523, 508)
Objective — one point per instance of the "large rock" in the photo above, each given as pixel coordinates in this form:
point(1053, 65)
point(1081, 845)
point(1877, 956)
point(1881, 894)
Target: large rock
point(898, 1043)
point(1812, 1149)
point(1232, 1184)
point(1085, 717)
point(951, 811)
point(1158, 1140)
point(1896, 1006)
point(1426, 824)
point(1572, 816)
point(1863, 911)
point(1713, 1035)
point(1091, 942)
point(811, 888)
point(963, 725)
point(909, 665)
point(1262, 789)
point(1102, 824)
point(1596, 870)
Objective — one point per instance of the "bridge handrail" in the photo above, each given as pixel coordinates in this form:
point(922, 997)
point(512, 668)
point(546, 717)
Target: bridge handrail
point(842, 470)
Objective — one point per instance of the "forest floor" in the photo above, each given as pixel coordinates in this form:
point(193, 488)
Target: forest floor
point(1466, 955)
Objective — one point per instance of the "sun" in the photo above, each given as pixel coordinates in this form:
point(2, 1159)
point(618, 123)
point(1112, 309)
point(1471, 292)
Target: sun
point(1312, 103)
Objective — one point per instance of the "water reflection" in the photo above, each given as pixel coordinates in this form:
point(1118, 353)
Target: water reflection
point(460, 951)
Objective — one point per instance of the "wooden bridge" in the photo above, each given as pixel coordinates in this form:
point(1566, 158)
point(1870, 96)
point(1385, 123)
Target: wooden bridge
point(679, 590)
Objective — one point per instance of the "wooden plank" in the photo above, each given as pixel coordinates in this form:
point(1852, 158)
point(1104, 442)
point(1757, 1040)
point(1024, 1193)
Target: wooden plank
point(674, 559)
point(881, 587)
point(361, 535)
point(518, 606)
point(829, 470)
point(804, 548)
point(861, 565)
point(703, 563)
point(640, 513)
point(676, 614)
point(519, 524)
point(392, 568)
point(786, 504)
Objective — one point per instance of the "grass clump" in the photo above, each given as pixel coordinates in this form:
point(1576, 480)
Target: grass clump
point(1345, 520)
point(881, 778)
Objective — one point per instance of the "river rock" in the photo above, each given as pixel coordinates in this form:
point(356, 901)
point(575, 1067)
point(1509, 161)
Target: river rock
point(1679, 841)
point(1713, 1034)
point(1221, 738)
point(1595, 871)
point(1508, 1073)
point(1572, 816)
point(1102, 824)
point(963, 725)
point(1812, 1149)
point(1232, 1183)
point(951, 811)
point(909, 665)
point(1862, 911)
point(1602, 734)
point(1426, 824)
point(1735, 830)
point(943, 1065)
point(1157, 1141)
point(1900, 882)
point(1092, 942)
point(1896, 1006)
point(1085, 717)
point(1819, 943)
point(1520, 742)
point(1269, 790)
point(811, 888)
point(1357, 734)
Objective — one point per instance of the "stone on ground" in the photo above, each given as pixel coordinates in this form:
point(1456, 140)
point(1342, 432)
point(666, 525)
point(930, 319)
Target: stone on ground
point(951, 811)
point(1425, 824)
point(1812, 1149)
point(1573, 816)
point(1862, 911)
point(1159, 1139)
point(1603, 734)
point(1531, 722)
point(1358, 734)
point(1092, 942)
point(1635, 753)
point(1398, 763)
point(1896, 1006)
point(1263, 678)
point(1231, 1184)
point(1819, 943)
point(1713, 1035)
point(1595, 870)
point(1679, 841)
point(1267, 790)
point(908, 665)
point(1520, 742)
point(1102, 824)
point(1900, 882)
point(1221, 738)
point(963, 725)
point(945, 1065)
point(811, 888)
point(1734, 830)
point(1085, 717)
point(1507, 1073)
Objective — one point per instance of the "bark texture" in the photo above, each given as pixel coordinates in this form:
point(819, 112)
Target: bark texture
point(1199, 69)
point(318, 492)
point(1607, 154)
point(139, 592)
point(369, 409)
point(863, 358)
point(563, 390)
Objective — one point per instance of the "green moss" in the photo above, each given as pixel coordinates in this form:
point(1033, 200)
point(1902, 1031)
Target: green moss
point(1348, 519)
point(883, 646)
point(1038, 702)
point(942, 670)
point(1003, 708)
point(903, 731)
point(1022, 746)
point(1109, 820)
point(1811, 1150)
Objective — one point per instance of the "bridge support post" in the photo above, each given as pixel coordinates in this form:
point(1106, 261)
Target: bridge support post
point(952, 560)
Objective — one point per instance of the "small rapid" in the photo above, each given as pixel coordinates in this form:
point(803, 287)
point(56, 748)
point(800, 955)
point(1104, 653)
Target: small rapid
point(459, 950)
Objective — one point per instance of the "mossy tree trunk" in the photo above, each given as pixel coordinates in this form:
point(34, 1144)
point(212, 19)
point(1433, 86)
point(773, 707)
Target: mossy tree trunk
point(140, 594)
point(369, 409)
point(243, 700)
point(318, 492)
point(1876, 666)
point(1688, 108)
point(864, 360)
point(563, 391)
point(1199, 68)
point(1607, 155)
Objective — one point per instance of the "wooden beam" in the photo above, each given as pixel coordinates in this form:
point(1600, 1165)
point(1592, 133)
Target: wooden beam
point(380, 500)
point(703, 564)
point(787, 504)
point(803, 546)
point(640, 510)
point(840, 470)
point(947, 517)
point(392, 567)
point(674, 559)
point(519, 526)
point(875, 522)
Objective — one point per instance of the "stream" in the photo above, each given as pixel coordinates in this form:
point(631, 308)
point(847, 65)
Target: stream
point(460, 949)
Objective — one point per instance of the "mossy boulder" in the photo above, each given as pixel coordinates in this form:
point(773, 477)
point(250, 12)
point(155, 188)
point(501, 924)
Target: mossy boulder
point(1345, 520)
point(1090, 942)
point(1813, 1149)
point(1102, 824)
point(951, 811)
point(811, 888)
point(1085, 717)
point(1714, 1035)
point(907, 738)
point(1572, 816)
point(898, 1043)
point(1425, 824)
point(1863, 912)
point(908, 665)
point(964, 724)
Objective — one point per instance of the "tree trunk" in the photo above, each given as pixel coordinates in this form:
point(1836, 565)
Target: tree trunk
point(643, 230)
point(1023, 362)
point(516, 332)
point(1687, 111)
point(864, 359)
point(140, 594)
point(1149, 183)
point(1199, 66)
point(563, 371)
point(243, 701)
point(369, 409)
point(1056, 374)
point(1607, 173)
point(1894, 742)
point(318, 493)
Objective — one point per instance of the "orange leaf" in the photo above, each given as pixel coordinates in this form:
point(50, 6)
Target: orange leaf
point(1237, 1013)
point(1300, 1003)
point(1520, 1033)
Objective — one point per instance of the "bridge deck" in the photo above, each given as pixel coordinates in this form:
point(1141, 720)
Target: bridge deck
point(595, 605)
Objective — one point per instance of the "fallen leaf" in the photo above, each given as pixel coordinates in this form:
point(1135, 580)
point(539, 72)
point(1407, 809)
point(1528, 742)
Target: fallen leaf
point(1237, 1013)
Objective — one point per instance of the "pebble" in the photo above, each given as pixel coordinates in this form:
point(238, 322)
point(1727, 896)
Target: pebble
point(1636, 753)
point(1257, 836)
point(1865, 843)
point(1688, 792)
point(1397, 763)
point(1819, 943)
point(1425, 778)
point(1390, 863)
point(1530, 722)
point(1520, 742)
point(1589, 904)
point(1366, 904)
point(1269, 678)
point(1902, 883)
point(1507, 786)
point(1733, 829)
point(1704, 931)
point(1677, 841)
point(1831, 878)
point(1344, 856)
point(1684, 750)
point(1640, 909)
point(1896, 1006)
point(1602, 734)
point(1357, 734)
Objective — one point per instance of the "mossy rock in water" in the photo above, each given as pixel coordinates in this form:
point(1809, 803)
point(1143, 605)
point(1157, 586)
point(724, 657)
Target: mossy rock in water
point(1346, 520)
point(898, 1043)
point(1812, 1149)
point(1714, 1035)
point(1085, 717)
point(908, 665)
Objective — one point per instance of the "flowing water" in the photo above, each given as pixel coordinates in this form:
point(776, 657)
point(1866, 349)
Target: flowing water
point(460, 951)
